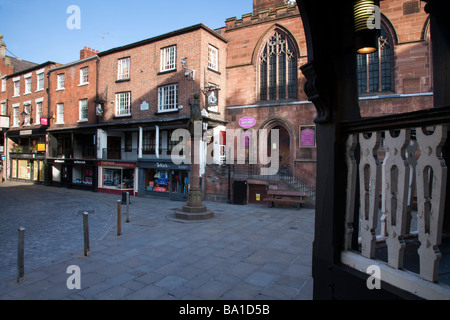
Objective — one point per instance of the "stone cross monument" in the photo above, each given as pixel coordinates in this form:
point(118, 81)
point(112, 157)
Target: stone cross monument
point(194, 208)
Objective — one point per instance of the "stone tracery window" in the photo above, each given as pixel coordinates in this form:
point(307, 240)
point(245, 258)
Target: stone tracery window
point(278, 68)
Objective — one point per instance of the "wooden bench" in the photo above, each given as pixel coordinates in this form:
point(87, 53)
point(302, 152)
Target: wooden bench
point(280, 196)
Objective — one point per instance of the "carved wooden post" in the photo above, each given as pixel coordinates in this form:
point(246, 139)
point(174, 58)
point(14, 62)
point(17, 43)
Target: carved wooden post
point(431, 174)
point(396, 173)
point(411, 150)
point(370, 175)
point(352, 168)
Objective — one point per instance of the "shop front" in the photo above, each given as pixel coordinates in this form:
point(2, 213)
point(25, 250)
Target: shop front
point(117, 177)
point(27, 155)
point(164, 179)
point(27, 167)
point(72, 173)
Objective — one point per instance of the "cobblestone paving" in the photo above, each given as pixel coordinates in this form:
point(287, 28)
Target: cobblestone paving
point(52, 221)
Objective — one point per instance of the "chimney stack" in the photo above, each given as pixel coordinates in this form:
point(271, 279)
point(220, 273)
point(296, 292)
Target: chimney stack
point(87, 52)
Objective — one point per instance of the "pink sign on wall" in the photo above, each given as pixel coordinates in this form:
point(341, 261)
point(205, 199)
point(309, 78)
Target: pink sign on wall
point(247, 122)
point(307, 136)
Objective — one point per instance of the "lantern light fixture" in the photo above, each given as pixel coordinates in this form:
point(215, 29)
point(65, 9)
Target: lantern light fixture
point(367, 25)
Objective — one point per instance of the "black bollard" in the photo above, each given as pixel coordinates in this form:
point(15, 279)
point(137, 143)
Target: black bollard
point(21, 256)
point(87, 250)
point(119, 217)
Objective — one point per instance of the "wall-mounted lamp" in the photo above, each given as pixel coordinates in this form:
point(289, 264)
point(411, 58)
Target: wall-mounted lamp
point(190, 73)
point(367, 25)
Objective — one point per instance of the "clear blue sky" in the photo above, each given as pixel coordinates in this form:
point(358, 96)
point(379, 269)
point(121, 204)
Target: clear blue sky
point(36, 30)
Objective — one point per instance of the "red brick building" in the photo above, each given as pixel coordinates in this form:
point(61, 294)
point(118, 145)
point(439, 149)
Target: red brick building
point(72, 151)
point(146, 90)
point(24, 102)
point(265, 52)
point(32, 96)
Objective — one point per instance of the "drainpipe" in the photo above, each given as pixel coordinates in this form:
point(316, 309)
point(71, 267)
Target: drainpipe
point(141, 137)
point(96, 84)
point(157, 141)
point(46, 168)
point(48, 95)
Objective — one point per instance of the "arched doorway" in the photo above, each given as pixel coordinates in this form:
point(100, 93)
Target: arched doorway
point(284, 147)
point(285, 143)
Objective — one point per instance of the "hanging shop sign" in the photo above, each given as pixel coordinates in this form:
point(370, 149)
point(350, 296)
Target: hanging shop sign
point(213, 96)
point(247, 122)
point(41, 147)
point(4, 122)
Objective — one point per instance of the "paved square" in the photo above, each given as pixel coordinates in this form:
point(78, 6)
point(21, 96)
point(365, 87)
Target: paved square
point(244, 252)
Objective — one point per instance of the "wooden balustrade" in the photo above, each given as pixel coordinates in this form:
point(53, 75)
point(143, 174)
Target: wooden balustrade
point(390, 162)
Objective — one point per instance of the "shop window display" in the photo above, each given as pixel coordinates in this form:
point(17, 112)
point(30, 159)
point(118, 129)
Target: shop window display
point(118, 178)
point(38, 171)
point(24, 170)
point(157, 180)
point(180, 182)
point(83, 175)
point(14, 169)
point(167, 181)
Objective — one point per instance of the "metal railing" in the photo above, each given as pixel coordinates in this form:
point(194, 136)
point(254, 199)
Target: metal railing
point(132, 154)
point(298, 180)
point(87, 152)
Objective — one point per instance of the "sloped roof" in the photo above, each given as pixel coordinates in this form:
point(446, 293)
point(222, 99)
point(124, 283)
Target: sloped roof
point(20, 65)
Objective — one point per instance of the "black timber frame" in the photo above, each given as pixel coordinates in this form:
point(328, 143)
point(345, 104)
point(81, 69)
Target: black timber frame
point(332, 87)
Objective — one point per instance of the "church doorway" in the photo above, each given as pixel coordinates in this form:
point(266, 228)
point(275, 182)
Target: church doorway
point(285, 145)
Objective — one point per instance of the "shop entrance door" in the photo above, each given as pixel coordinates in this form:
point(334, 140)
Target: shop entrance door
point(66, 176)
point(179, 185)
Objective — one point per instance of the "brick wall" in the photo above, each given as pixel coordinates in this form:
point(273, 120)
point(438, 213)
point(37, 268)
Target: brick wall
point(28, 97)
point(146, 76)
point(260, 5)
point(243, 50)
point(407, 25)
point(405, 21)
point(73, 92)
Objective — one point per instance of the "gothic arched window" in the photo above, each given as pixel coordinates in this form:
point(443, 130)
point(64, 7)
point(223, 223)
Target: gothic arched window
point(278, 68)
point(375, 69)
